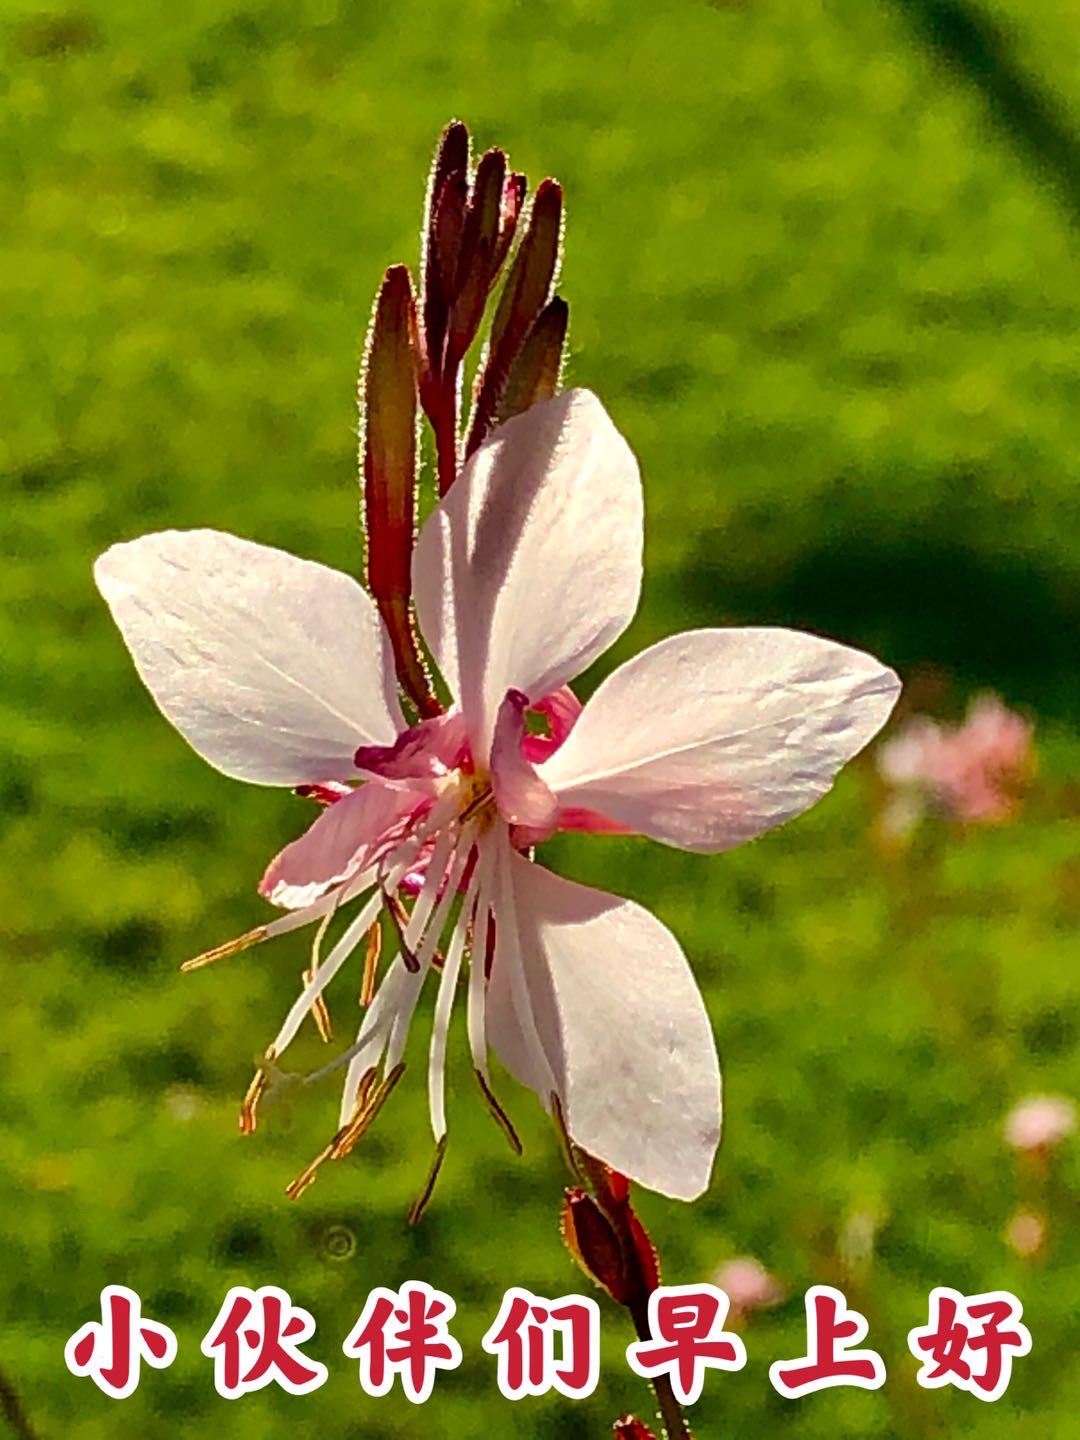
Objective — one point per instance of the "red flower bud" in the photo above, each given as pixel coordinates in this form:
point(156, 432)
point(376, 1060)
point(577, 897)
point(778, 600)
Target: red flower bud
point(525, 294)
point(593, 1244)
point(388, 399)
point(629, 1427)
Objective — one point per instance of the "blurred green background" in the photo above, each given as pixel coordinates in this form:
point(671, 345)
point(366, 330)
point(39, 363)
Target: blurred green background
point(822, 270)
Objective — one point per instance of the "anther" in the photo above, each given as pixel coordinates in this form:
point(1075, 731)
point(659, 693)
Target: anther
point(250, 1103)
point(231, 947)
point(499, 1114)
point(371, 964)
point(420, 1204)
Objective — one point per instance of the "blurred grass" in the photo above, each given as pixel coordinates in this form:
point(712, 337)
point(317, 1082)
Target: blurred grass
point(833, 305)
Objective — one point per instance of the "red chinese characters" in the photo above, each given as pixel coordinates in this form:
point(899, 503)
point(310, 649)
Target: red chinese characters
point(686, 1325)
point(111, 1350)
point(970, 1341)
point(255, 1342)
point(831, 1330)
point(543, 1345)
point(525, 1335)
point(404, 1333)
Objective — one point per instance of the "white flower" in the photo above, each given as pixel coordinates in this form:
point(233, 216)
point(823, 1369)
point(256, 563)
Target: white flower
point(278, 672)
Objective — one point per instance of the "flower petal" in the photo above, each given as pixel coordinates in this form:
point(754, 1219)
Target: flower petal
point(273, 668)
point(622, 1025)
point(714, 736)
point(347, 837)
point(521, 795)
point(423, 752)
point(531, 565)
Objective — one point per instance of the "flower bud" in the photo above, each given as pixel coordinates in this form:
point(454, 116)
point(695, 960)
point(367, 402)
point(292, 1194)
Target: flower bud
point(534, 372)
point(526, 292)
point(476, 260)
point(448, 188)
point(388, 401)
point(629, 1427)
point(593, 1243)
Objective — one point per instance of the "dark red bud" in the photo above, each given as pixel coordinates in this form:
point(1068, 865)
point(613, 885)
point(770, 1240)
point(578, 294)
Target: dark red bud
point(593, 1243)
point(524, 297)
point(629, 1427)
point(451, 160)
point(513, 200)
point(535, 371)
point(479, 242)
point(452, 151)
point(388, 400)
point(532, 275)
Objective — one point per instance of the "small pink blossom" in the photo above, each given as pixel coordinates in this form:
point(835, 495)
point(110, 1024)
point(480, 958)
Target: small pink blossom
point(1040, 1122)
point(748, 1285)
point(973, 772)
point(1026, 1234)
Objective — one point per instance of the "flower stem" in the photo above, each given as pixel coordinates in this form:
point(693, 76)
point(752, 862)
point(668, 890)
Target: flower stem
point(640, 1272)
point(11, 1407)
point(671, 1414)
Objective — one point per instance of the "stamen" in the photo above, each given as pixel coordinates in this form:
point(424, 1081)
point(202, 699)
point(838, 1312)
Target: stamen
point(420, 1204)
point(434, 925)
point(399, 917)
point(421, 912)
point(451, 881)
point(320, 1014)
point(370, 1044)
point(440, 1029)
point(509, 954)
point(293, 920)
point(231, 947)
point(325, 973)
point(565, 1142)
point(499, 1115)
point(345, 1141)
point(476, 1017)
point(250, 1103)
point(371, 962)
point(307, 1176)
point(365, 1111)
point(473, 809)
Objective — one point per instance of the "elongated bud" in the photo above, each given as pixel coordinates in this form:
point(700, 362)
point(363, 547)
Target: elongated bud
point(535, 371)
point(534, 271)
point(388, 400)
point(593, 1244)
point(479, 247)
point(613, 1198)
point(629, 1427)
point(444, 215)
point(526, 293)
point(513, 200)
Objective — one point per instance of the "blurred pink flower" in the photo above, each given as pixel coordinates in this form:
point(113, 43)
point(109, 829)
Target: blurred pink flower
point(1026, 1234)
point(973, 772)
point(1040, 1122)
point(748, 1285)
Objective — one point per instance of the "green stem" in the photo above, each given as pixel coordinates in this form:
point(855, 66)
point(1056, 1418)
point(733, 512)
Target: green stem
point(12, 1408)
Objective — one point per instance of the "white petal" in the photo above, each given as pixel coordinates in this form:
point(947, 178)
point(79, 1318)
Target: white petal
point(623, 1028)
point(531, 566)
point(714, 736)
point(273, 668)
